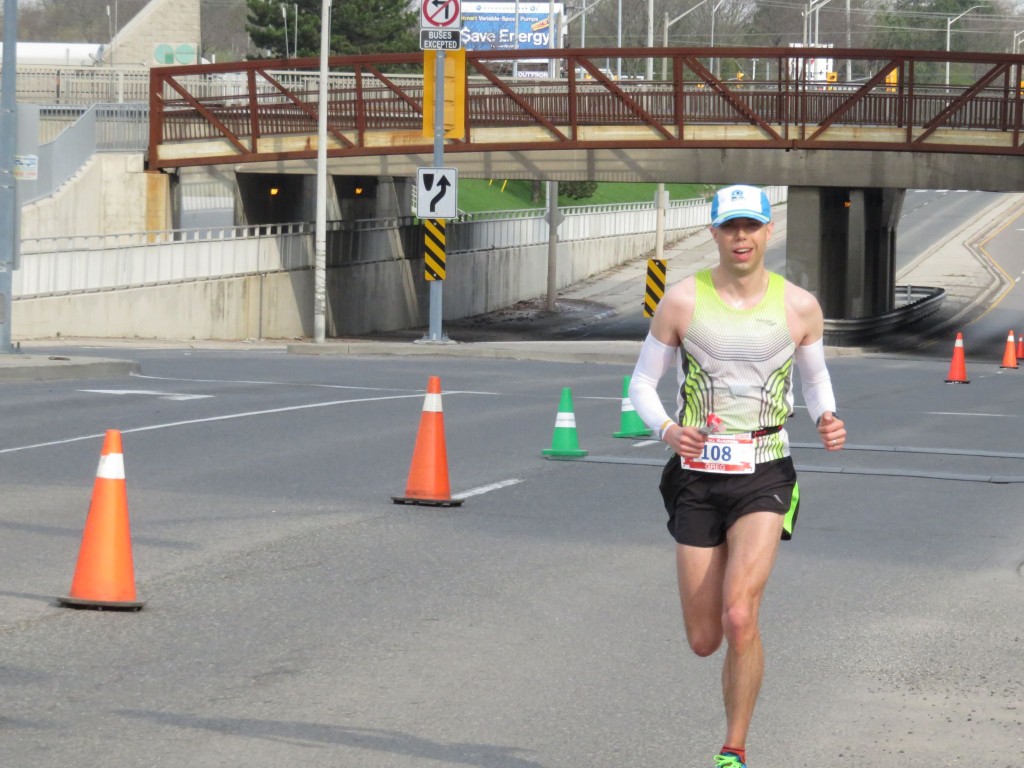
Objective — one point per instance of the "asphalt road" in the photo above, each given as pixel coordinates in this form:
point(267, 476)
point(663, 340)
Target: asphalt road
point(988, 333)
point(296, 616)
point(929, 217)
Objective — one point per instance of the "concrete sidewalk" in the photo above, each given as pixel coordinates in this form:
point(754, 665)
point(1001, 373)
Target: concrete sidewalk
point(958, 265)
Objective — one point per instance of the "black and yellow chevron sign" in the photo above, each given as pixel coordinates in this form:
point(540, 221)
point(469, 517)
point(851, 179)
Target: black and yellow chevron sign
point(655, 286)
point(433, 249)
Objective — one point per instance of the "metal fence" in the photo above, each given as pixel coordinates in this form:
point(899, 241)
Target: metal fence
point(71, 85)
point(83, 132)
point(52, 266)
point(60, 265)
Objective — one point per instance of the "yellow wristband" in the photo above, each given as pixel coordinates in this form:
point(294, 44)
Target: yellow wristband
point(664, 426)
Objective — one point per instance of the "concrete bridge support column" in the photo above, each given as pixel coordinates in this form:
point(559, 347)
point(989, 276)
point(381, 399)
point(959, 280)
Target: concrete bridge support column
point(841, 246)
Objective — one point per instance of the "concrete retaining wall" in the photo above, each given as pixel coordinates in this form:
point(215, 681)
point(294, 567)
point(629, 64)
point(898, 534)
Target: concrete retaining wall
point(130, 199)
point(277, 305)
point(362, 298)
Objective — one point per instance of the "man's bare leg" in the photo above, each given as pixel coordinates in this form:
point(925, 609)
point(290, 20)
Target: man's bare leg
point(753, 542)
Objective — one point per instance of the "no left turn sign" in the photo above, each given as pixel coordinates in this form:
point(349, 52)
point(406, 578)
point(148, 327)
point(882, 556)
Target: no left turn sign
point(440, 14)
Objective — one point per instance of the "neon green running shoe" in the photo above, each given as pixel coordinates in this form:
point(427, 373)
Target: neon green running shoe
point(729, 760)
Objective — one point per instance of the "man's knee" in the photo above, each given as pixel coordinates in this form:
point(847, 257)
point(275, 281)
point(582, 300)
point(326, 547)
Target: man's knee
point(739, 623)
point(704, 641)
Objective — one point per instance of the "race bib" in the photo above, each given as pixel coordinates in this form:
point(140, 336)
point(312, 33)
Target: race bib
point(725, 454)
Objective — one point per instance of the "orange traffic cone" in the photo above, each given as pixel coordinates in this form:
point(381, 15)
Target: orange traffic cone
point(428, 475)
point(1010, 353)
point(105, 575)
point(958, 368)
point(1020, 347)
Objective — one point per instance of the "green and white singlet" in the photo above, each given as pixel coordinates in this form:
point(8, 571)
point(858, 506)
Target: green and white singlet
point(738, 364)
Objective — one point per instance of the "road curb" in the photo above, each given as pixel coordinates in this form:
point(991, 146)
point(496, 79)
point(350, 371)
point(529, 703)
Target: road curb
point(19, 367)
point(606, 352)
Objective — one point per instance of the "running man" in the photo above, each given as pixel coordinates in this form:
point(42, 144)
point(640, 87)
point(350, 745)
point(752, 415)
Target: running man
point(731, 489)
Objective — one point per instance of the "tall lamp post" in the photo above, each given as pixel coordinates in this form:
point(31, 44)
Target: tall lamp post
point(320, 236)
point(8, 148)
point(812, 8)
point(284, 15)
point(714, 59)
point(949, 24)
point(664, 33)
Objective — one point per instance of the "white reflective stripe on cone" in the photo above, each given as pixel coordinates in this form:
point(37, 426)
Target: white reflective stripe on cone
point(627, 404)
point(565, 420)
point(111, 467)
point(432, 403)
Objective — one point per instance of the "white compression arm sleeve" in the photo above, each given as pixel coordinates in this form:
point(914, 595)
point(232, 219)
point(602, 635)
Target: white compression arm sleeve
point(655, 361)
point(815, 383)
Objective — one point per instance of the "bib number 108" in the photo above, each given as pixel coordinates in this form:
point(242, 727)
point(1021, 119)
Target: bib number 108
point(716, 453)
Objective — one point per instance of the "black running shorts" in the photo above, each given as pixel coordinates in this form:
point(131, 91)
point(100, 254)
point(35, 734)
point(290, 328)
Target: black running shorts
point(702, 505)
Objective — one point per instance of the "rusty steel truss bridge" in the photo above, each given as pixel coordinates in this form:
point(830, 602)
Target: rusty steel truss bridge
point(581, 123)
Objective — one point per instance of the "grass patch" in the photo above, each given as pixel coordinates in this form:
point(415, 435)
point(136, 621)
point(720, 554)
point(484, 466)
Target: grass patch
point(513, 194)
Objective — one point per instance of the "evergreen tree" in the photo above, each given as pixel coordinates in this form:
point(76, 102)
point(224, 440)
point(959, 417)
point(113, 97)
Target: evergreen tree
point(376, 26)
point(577, 190)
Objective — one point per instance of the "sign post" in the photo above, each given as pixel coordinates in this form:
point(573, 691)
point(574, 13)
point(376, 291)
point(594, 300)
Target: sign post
point(440, 28)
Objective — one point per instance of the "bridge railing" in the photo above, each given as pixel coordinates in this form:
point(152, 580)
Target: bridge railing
point(376, 104)
point(60, 265)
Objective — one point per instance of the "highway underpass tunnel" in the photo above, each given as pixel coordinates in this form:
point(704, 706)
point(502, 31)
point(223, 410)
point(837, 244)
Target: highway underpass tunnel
point(357, 196)
point(277, 198)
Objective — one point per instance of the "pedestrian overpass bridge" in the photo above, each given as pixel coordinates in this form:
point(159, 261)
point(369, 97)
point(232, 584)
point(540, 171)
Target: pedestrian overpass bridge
point(846, 150)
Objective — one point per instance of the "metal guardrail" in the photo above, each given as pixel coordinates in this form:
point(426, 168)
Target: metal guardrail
point(920, 302)
point(82, 133)
point(55, 266)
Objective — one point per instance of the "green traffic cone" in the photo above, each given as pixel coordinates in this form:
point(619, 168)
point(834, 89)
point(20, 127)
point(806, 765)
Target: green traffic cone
point(630, 423)
point(564, 442)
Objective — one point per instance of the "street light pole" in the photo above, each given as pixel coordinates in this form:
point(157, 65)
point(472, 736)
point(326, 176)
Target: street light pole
point(8, 149)
point(650, 38)
point(320, 238)
point(949, 24)
point(618, 43)
point(664, 33)
point(714, 59)
point(284, 15)
point(812, 8)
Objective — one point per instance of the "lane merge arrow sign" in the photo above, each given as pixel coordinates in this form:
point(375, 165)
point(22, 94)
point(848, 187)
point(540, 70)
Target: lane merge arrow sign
point(437, 193)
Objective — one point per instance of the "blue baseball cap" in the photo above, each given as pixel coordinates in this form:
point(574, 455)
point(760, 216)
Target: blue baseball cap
point(740, 201)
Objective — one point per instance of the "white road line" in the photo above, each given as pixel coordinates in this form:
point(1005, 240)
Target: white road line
point(152, 393)
point(953, 413)
point(642, 443)
point(485, 489)
point(303, 384)
point(225, 417)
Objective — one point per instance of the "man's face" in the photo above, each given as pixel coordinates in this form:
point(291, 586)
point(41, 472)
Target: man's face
point(741, 244)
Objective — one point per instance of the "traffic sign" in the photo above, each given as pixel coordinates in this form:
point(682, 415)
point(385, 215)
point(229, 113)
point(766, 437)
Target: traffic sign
point(440, 14)
point(437, 193)
point(440, 39)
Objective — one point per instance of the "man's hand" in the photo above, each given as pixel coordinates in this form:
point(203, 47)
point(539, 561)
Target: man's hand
point(687, 442)
point(832, 431)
